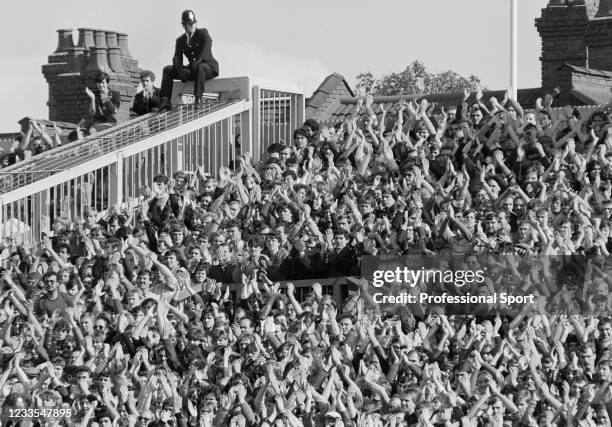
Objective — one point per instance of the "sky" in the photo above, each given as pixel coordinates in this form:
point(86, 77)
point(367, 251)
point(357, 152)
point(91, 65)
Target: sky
point(281, 40)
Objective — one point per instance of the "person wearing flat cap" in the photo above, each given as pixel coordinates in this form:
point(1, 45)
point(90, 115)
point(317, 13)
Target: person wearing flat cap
point(196, 46)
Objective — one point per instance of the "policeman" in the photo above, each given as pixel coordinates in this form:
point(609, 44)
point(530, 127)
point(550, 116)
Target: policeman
point(196, 46)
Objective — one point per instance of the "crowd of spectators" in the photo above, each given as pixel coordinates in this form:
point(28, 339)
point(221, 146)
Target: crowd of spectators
point(32, 140)
point(174, 313)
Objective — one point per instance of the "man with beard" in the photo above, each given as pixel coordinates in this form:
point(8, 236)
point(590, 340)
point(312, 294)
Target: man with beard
point(492, 232)
point(53, 299)
point(98, 346)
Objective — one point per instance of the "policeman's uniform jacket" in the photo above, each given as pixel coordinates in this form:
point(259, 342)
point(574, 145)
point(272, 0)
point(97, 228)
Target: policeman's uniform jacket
point(198, 50)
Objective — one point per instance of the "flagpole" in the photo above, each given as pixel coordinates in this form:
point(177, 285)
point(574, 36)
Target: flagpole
point(513, 49)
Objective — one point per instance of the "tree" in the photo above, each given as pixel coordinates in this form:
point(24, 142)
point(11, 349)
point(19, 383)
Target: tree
point(415, 80)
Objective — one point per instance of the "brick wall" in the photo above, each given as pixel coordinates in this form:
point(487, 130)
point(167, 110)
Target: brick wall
point(72, 67)
point(599, 44)
point(592, 81)
point(562, 29)
point(576, 32)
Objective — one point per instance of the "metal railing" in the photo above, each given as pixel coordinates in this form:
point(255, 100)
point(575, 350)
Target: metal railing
point(280, 116)
point(110, 167)
point(277, 112)
point(338, 287)
point(120, 136)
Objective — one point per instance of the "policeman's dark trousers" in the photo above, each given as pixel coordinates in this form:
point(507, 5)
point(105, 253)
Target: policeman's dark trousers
point(202, 73)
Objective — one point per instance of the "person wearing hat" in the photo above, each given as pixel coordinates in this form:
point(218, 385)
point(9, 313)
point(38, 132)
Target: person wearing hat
point(196, 45)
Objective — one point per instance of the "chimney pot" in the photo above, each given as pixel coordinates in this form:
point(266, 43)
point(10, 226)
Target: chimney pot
point(111, 39)
point(122, 39)
point(97, 60)
point(100, 38)
point(64, 40)
point(75, 59)
point(86, 38)
point(114, 59)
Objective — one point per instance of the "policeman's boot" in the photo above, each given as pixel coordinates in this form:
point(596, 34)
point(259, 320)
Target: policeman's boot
point(165, 104)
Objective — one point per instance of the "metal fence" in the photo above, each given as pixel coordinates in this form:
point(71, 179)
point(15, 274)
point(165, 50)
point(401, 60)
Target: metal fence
point(111, 167)
point(277, 115)
point(340, 288)
point(280, 116)
point(121, 136)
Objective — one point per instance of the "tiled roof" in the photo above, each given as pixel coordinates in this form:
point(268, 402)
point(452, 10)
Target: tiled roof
point(327, 87)
point(61, 125)
point(588, 71)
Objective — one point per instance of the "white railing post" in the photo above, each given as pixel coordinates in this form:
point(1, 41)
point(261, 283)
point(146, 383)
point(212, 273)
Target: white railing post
point(301, 108)
point(246, 142)
point(176, 162)
point(256, 125)
point(2, 218)
point(41, 210)
point(225, 144)
point(513, 48)
point(115, 190)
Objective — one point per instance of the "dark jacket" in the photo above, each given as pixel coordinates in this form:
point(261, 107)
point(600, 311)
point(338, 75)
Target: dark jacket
point(198, 51)
point(142, 106)
point(343, 263)
point(106, 112)
point(222, 273)
point(160, 216)
point(296, 267)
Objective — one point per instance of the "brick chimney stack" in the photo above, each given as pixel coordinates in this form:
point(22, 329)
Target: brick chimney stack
point(575, 32)
point(563, 27)
point(70, 68)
